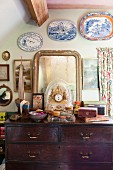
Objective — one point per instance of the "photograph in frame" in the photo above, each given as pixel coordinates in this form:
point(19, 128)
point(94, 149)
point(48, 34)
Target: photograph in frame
point(4, 72)
point(38, 101)
point(27, 74)
point(90, 73)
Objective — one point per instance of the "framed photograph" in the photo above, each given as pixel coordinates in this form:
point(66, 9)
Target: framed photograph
point(90, 73)
point(27, 74)
point(38, 100)
point(4, 72)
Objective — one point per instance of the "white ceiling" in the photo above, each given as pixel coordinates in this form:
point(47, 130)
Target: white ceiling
point(66, 4)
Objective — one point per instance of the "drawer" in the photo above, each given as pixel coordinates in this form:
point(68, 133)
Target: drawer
point(34, 152)
point(60, 153)
point(34, 166)
point(86, 134)
point(32, 133)
point(53, 166)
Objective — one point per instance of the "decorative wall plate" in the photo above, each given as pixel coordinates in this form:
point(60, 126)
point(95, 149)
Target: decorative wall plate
point(97, 26)
point(62, 30)
point(6, 55)
point(30, 41)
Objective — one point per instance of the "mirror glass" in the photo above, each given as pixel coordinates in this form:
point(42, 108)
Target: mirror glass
point(5, 95)
point(54, 65)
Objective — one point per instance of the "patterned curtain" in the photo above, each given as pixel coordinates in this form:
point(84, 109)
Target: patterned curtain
point(105, 68)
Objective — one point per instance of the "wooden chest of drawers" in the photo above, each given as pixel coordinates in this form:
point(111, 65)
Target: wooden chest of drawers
point(58, 146)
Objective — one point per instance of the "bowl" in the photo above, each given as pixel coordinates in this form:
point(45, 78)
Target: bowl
point(37, 116)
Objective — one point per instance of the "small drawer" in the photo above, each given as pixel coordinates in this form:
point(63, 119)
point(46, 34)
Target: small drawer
point(32, 133)
point(86, 134)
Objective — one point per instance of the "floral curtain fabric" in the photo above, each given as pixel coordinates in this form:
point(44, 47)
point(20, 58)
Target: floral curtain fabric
point(105, 68)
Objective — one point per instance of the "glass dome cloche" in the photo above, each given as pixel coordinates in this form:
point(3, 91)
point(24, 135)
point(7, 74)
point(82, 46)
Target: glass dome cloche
point(57, 95)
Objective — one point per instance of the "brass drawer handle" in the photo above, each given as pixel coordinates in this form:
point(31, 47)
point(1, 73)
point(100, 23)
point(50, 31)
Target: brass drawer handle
point(33, 137)
point(86, 136)
point(33, 155)
point(85, 155)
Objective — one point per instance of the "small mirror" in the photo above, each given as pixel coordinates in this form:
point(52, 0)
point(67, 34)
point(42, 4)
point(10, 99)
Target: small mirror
point(51, 65)
point(5, 95)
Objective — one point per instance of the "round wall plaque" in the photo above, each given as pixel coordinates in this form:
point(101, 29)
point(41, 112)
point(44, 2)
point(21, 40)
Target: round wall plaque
point(6, 55)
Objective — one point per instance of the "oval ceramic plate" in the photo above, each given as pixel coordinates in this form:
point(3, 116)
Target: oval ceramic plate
point(62, 30)
point(97, 26)
point(30, 41)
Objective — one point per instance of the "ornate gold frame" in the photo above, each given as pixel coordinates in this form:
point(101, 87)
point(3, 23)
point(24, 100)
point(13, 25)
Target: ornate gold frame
point(58, 53)
point(6, 55)
point(11, 95)
point(16, 76)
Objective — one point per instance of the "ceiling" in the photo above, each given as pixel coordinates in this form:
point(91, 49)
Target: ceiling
point(74, 4)
point(39, 8)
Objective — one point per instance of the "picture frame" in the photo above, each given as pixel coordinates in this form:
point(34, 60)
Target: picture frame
point(90, 73)
point(27, 74)
point(6, 55)
point(4, 72)
point(38, 101)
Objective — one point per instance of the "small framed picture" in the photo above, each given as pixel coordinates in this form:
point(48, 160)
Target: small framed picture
point(38, 100)
point(4, 72)
point(6, 55)
point(90, 73)
point(27, 74)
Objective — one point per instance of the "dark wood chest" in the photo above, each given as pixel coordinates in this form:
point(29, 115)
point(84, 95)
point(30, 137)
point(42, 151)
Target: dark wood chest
point(58, 146)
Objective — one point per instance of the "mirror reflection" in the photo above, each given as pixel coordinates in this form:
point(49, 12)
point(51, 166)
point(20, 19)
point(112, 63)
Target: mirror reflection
point(57, 67)
point(5, 95)
point(51, 65)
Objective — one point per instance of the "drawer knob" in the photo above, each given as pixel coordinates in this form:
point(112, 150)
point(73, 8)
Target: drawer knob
point(86, 136)
point(33, 137)
point(85, 155)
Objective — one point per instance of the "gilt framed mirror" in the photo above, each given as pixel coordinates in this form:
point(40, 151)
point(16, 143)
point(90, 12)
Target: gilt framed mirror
point(51, 65)
point(5, 95)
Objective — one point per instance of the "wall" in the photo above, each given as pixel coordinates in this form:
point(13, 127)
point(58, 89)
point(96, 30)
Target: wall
point(14, 21)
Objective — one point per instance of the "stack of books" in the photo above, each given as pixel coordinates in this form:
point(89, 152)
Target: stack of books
point(2, 132)
point(98, 118)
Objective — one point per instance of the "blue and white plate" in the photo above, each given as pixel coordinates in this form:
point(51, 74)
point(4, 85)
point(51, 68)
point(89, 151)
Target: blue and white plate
point(30, 41)
point(97, 26)
point(62, 30)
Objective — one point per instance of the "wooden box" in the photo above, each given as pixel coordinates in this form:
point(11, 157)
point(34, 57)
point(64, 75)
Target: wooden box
point(87, 112)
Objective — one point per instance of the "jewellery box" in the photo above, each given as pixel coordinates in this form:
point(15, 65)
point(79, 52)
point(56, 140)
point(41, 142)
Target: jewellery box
point(87, 112)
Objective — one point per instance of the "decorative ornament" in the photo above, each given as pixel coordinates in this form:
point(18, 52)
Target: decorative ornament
point(58, 95)
point(62, 30)
point(30, 41)
point(6, 55)
point(97, 26)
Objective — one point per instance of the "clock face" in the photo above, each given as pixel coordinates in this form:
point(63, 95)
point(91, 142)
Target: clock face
point(58, 97)
point(30, 41)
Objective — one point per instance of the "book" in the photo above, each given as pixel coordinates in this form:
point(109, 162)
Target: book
point(98, 118)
